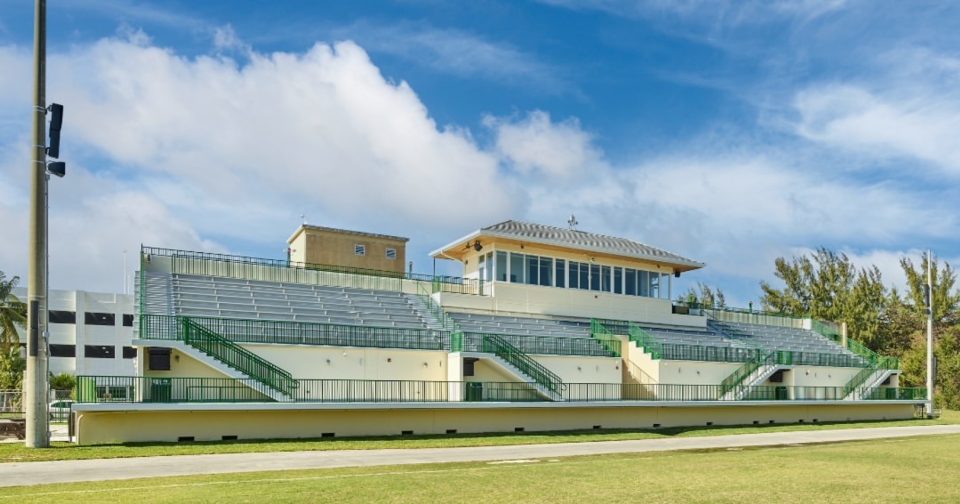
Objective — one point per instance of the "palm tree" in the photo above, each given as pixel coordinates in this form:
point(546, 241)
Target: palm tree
point(13, 313)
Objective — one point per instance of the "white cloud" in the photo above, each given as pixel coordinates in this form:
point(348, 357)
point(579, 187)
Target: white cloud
point(536, 144)
point(186, 148)
point(196, 152)
point(910, 108)
point(459, 53)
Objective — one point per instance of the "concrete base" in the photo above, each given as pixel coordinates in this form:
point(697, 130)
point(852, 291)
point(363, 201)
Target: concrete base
point(106, 423)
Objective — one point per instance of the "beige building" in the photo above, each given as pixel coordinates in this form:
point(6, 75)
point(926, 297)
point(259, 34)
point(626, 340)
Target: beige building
point(317, 245)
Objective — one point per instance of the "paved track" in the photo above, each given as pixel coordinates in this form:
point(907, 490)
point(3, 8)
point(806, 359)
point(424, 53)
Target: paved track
point(35, 473)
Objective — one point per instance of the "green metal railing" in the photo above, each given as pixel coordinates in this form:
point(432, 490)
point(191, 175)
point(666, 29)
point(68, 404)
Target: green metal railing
point(237, 357)
point(756, 317)
point(149, 389)
point(445, 319)
point(606, 338)
point(189, 262)
point(502, 348)
point(673, 351)
point(169, 327)
point(546, 345)
point(734, 382)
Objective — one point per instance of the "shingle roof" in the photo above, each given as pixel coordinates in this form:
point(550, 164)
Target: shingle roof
point(552, 235)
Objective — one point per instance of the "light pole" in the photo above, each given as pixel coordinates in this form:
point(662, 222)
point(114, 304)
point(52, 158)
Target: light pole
point(929, 300)
point(36, 379)
point(35, 384)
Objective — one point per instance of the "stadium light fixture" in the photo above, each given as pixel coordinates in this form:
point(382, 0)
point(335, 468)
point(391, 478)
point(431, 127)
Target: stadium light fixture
point(57, 168)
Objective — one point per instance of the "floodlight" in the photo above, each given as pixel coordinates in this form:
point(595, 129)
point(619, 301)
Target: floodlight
point(56, 121)
point(58, 168)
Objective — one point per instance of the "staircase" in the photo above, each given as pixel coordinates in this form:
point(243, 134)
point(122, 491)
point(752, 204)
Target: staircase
point(752, 373)
point(517, 363)
point(870, 377)
point(229, 358)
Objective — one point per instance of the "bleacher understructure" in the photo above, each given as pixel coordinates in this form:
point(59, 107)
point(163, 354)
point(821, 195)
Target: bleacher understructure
point(245, 335)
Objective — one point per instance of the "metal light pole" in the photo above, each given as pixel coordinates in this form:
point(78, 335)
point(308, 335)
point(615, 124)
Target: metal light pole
point(929, 333)
point(35, 383)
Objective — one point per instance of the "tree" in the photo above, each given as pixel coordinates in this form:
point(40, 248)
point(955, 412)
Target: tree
point(815, 286)
point(62, 381)
point(13, 314)
point(947, 352)
point(825, 285)
point(12, 366)
point(704, 295)
point(945, 300)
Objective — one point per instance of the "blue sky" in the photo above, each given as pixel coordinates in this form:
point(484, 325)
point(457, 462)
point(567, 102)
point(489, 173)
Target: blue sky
point(729, 132)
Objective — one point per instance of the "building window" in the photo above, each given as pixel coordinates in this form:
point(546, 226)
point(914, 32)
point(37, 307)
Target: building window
point(502, 266)
point(605, 278)
point(391, 253)
point(63, 350)
point(127, 320)
point(561, 273)
point(99, 351)
point(595, 277)
point(546, 271)
point(584, 276)
point(643, 281)
point(516, 268)
point(103, 319)
point(129, 352)
point(360, 249)
point(488, 277)
point(631, 289)
point(62, 317)
point(574, 275)
point(654, 285)
point(618, 280)
point(533, 266)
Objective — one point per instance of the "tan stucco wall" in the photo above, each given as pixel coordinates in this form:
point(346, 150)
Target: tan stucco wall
point(132, 426)
point(184, 366)
point(329, 247)
point(696, 372)
point(532, 300)
point(309, 361)
point(579, 369)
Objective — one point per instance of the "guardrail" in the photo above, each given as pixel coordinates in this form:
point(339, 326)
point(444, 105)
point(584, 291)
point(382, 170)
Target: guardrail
point(188, 262)
point(675, 351)
point(237, 357)
point(500, 347)
point(170, 327)
point(547, 345)
point(146, 389)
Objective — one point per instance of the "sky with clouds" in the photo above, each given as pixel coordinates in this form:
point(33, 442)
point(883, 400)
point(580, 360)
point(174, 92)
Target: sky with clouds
point(731, 132)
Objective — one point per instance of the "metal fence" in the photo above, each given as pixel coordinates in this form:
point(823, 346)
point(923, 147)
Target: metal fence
point(144, 389)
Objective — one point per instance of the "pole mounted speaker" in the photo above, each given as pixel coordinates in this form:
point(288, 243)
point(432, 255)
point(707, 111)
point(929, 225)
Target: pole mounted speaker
point(56, 121)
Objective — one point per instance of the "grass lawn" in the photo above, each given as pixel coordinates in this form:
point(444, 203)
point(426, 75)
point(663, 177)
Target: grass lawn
point(15, 452)
point(921, 469)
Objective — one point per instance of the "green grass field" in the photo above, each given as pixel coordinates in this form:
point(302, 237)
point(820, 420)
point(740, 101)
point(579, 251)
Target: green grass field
point(921, 469)
point(15, 452)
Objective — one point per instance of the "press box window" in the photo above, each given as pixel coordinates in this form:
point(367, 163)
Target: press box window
point(62, 317)
point(127, 320)
point(63, 351)
point(129, 352)
point(99, 351)
point(101, 319)
point(391, 253)
point(359, 249)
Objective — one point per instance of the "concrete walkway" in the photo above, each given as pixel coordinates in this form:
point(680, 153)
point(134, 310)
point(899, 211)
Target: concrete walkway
point(34, 473)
